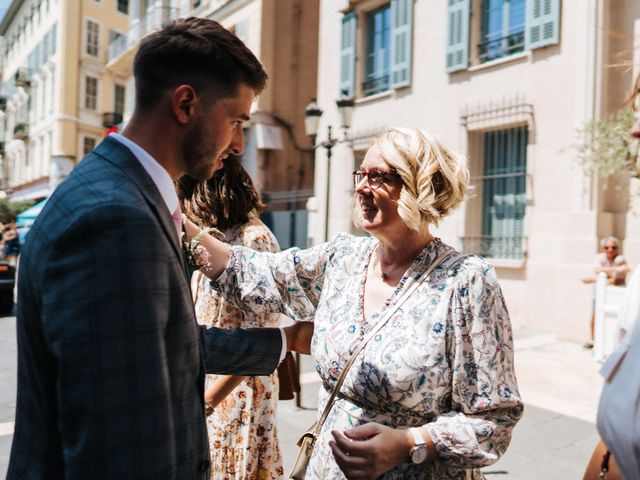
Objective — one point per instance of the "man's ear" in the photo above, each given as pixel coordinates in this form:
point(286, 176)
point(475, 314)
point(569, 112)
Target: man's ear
point(183, 103)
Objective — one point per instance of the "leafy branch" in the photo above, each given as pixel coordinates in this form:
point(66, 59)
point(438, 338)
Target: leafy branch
point(606, 148)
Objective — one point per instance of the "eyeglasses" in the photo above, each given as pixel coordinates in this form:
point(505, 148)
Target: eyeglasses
point(611, 248)
point(375, 178)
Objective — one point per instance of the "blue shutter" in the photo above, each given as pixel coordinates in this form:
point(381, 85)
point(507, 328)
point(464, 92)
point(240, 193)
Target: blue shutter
point(543, 23)
point(457, 35)
point(401, 39)
point(348, 55)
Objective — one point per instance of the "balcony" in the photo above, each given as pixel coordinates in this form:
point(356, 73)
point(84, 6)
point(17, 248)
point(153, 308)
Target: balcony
point(501, 47)
point(111, 119)
point(374, 85)
point(21, 131)
point(139, 28)
point(502, 248)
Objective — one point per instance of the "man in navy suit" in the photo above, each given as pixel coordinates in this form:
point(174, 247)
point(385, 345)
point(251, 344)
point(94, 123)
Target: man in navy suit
point(111, 361)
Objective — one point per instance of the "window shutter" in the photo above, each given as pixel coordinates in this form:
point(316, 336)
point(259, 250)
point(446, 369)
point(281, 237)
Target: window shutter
point(457, 35)
point(401, 38)
point(348, 55)
point(543, 23)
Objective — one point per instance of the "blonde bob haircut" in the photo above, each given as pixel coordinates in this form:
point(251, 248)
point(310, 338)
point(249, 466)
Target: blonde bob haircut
point(434, 178)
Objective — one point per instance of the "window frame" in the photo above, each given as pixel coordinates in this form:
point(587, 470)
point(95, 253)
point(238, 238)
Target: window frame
point(87, 95)
point(368, 51)
point(88, 45)
point(505, 242)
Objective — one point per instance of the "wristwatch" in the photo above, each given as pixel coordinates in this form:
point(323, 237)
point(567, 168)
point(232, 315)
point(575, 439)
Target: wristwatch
point(418, 453)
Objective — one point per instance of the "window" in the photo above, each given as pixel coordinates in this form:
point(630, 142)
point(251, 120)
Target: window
point(502, 189)
point(88, 144)
point(123, 6)
point(504, 27)
point(91, 93)
point(378, 53)
point(119, 98)
point(93, 38)
point(387, 35)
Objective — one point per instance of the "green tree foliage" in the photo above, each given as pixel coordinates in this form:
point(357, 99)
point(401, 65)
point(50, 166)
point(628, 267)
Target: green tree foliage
point(605, 147)
point(9, 210)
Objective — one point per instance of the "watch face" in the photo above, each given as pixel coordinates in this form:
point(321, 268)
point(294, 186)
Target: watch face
point(419, 454)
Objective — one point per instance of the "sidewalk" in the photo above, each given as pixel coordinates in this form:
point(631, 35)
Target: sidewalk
point(558, 381)
point(560, 385)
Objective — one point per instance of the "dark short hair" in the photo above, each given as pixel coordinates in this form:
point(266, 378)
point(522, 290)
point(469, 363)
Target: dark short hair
point(195, 51)
point(224, 201)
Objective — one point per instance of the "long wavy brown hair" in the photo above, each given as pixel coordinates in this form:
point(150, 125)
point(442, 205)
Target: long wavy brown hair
point(224, 201)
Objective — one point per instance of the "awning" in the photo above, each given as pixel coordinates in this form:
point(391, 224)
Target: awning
point(26, 218)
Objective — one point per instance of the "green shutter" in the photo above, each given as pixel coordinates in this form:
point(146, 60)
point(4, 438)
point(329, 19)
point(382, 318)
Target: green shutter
point(543, 23)
point(401, 38)
point(348, 55)
point(457, 35)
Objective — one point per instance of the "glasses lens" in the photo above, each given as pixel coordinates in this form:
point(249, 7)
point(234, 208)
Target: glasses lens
point(375, 179)
point(358, 176)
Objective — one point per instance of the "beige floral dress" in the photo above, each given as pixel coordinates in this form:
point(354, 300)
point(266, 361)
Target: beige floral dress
point(443, 360)
point(242, 430)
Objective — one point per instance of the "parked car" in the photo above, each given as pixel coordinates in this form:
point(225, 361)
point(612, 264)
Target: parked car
point(7, 284)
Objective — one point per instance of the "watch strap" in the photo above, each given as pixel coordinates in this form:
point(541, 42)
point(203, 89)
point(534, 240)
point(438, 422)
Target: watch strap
point(418, 439)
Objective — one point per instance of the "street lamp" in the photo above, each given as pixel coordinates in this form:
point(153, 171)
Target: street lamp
point(312, 114)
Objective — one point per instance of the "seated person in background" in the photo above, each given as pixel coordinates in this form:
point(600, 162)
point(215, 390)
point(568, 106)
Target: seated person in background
point(610, 262)
point(614, 265)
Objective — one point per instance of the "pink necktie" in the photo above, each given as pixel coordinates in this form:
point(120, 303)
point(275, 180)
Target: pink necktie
point(177, 221)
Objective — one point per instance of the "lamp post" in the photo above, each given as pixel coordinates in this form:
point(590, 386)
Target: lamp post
point(312, 114)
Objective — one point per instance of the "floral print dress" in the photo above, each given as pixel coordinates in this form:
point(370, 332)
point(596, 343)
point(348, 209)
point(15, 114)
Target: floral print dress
point(243, 439)
point(444, 359)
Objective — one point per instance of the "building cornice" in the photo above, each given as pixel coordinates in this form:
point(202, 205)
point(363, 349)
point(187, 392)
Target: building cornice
point(10, 15)
point(227, 9)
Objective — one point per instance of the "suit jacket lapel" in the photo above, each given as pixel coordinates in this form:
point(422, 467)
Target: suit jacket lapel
point(121, 157)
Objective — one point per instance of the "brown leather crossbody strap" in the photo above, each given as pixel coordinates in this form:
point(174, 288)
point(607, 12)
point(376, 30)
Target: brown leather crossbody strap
point(388, 314)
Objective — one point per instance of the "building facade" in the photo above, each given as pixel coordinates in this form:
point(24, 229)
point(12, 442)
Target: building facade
point(507, 83)
point(284, 36)
point(57, 98)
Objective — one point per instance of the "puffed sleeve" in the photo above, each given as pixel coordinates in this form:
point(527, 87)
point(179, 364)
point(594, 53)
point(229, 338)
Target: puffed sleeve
point(485, 403)
point(288, 282)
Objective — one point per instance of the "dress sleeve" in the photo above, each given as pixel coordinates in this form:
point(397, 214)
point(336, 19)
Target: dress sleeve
point(485, 403)
point(288, 282)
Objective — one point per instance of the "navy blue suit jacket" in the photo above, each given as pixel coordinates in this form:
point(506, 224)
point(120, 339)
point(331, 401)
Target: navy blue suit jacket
point(111, 361)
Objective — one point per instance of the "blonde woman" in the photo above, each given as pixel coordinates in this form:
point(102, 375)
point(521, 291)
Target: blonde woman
point(433, 395)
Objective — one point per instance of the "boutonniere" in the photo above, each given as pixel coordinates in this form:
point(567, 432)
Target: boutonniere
point(197, 256)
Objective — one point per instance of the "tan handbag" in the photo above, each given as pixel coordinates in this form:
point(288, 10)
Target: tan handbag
point(602, 465)
point(307, 440)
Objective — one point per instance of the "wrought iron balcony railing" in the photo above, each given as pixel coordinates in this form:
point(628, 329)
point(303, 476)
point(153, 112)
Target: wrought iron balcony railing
point(152, 21)
point(504, 248)
point(371, 86)
point(501, 47)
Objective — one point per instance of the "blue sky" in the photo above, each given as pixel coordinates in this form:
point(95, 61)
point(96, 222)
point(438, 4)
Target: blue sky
point(4, 4)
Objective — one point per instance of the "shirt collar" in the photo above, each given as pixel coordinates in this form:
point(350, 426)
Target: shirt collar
point(158, 174)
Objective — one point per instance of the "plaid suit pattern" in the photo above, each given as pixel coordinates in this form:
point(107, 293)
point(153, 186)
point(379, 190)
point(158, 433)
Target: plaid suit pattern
point(111, 362)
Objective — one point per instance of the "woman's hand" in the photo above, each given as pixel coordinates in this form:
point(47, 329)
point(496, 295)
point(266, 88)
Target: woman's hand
point(370, 450)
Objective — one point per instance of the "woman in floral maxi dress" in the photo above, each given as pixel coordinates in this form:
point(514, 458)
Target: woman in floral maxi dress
point(441, 368)
point(242, 431)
